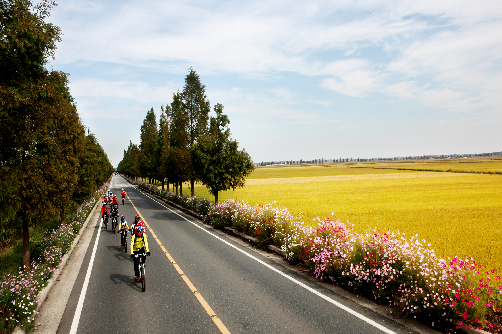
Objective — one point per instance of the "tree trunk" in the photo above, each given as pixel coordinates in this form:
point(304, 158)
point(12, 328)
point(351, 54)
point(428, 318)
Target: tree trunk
point(26, 241)
point(162, 185)
point(181, 188)
point(176, 188)
point(192, 184)
point(61, 213)
point(216, 197)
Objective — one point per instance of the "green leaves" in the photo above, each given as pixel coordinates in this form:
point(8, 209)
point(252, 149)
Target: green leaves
point(188, 145)
point(26, 40)
point(216, 159)
point(148, 146)
point(195, 106)
point(43, 139)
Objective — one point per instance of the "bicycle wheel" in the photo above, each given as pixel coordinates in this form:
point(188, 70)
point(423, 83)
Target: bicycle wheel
point(143, 278)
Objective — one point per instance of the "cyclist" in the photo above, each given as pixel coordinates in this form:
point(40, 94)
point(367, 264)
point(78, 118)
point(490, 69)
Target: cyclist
point(105, 200)
point(123, 231)
point(115, 202)
point(139, 241)
point(122, 193)
point(105, 212)
point(114, 213)
point(135, 224)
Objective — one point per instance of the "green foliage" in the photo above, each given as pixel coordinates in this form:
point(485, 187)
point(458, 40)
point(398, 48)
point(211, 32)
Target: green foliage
point(148, 145)
point(216, 159)
point(163, 143)
point(129, 165)
point(178, 164)
point(26, 41)
point(196, 106)
point(40, 130)
point(95, 169)
point(197, 109)
point(185, 147)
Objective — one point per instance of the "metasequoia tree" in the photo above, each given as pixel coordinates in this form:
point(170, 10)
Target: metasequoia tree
point(163, 144)
point(41, 135)
point(196, 106)
point(67, 135)
point(179, 164)
point(129, 165)
point(147, 146)
point(95, 168)
point(26, 41)
point(216, 159)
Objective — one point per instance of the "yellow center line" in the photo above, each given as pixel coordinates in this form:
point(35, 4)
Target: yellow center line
point(199, 297)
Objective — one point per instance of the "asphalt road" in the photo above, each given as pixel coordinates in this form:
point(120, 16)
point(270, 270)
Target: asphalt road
point(246, 290)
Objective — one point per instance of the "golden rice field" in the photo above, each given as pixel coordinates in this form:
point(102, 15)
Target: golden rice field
point(458, 213)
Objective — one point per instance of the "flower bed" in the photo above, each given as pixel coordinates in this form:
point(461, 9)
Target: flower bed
point(401, 272)
point(18, 293)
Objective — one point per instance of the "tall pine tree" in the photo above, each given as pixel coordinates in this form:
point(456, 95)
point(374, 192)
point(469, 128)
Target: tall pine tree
point(148, 146)
point(196, 107)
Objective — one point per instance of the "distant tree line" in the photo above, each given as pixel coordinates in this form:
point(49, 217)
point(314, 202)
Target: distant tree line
point(188, 145)
point(340, 160)
point(47, 162)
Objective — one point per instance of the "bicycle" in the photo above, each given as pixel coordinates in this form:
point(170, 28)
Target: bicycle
point(123, 200)
point(141, 255)
point(114, 223)
point(123, 239)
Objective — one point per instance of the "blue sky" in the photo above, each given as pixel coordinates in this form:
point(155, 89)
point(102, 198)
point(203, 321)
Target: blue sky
point(298, 79)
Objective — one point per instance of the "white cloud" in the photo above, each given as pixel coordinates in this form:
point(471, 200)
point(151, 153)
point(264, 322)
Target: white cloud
point(282, 93)
point(319, 102)
point(141, 92)
point(439, 55)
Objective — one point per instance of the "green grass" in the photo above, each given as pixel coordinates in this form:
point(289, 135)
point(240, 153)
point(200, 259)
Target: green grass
point(459, 214)
point(11, 256)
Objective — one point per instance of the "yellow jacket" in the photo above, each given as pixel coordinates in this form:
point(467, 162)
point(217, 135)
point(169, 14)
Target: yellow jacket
point(138, 242)
point(124, 226)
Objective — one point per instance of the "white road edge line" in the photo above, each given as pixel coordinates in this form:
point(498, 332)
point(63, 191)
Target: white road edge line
point(334, 302)
point(80, 305)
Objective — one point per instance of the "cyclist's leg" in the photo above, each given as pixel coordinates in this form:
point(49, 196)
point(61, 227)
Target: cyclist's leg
point(136, 266)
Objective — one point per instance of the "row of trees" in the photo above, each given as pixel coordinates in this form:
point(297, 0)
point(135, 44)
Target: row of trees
point(47, 161)
point(188, 145)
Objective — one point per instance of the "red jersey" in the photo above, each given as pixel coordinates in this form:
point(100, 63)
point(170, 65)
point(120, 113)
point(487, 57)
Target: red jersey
point(104, 209)
point(135, 224)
